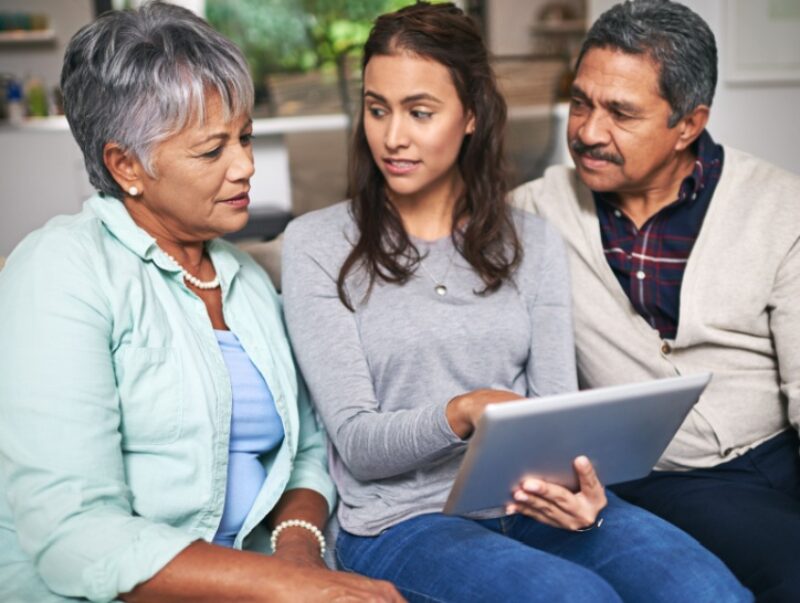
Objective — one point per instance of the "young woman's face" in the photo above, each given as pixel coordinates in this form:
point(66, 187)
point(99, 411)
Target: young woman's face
point(415, 124)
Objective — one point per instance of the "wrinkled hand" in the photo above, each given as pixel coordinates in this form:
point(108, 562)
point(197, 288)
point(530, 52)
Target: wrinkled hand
point(464, 411)
point(556, 506)
point(315, 582)
point(325, 586)
point(301, 552)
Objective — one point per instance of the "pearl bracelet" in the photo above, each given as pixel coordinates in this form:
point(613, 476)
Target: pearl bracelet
point(298, 523)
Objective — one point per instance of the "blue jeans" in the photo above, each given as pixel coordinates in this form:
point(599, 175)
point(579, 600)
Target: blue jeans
point(633, 556)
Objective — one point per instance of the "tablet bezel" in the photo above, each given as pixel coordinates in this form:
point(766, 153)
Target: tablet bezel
point(623, 429)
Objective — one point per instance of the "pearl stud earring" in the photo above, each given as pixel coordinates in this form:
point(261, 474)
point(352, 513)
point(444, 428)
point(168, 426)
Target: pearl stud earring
point(133, 191)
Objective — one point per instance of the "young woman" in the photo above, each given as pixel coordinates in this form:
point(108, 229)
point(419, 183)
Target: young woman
point(423, 299)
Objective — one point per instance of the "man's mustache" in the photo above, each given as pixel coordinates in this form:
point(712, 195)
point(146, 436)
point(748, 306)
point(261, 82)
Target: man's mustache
point(594, 151)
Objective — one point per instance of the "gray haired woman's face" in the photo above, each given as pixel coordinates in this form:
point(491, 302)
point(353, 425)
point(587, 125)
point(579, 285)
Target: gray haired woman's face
point(202, 179)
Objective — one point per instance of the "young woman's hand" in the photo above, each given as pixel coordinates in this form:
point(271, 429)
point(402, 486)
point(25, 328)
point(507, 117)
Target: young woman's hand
point(464, 411)
point(556, 506)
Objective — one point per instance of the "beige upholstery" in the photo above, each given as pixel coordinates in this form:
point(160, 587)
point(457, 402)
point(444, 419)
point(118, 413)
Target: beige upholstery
point(268, 256)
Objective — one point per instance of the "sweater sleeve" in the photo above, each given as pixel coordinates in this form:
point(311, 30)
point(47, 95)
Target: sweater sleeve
point(551, 364)
point(784, 322)
point(373, 444)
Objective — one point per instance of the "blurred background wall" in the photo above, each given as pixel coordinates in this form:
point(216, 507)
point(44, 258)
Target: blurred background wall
point(307, 98)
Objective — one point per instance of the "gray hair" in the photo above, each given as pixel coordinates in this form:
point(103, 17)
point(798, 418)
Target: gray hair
point(137, 77)
point(677, 39)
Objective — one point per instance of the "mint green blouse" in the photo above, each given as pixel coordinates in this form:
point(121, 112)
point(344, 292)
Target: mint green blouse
point(115, 407)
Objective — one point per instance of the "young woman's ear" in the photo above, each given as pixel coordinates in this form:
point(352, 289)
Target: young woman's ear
point(470, 128)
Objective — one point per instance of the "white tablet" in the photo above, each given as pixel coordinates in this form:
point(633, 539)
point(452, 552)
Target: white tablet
point(622, 429)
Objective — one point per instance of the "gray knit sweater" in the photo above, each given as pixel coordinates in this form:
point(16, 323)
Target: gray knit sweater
point(381, 377)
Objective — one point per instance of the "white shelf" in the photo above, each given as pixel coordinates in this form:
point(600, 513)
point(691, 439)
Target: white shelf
point(269, 126)
point(39, 36)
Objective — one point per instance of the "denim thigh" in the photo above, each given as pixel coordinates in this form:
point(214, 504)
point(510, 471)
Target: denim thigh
point(441, 558)
point(643, 557)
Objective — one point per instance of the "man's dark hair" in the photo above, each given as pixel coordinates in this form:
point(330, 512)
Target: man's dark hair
point(678, 40)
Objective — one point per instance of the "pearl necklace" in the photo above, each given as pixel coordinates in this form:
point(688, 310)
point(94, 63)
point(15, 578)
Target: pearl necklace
point(191, 278)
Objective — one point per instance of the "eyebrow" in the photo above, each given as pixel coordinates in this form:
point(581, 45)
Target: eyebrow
point(220, 135)
point(615, 105)
point(575, 90)
point(408, 100)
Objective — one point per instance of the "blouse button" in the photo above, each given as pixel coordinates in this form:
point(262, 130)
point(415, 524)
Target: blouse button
point(665, 348)
point(640, 275)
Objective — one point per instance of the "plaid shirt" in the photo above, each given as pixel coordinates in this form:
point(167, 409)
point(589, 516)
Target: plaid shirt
point(649, 262)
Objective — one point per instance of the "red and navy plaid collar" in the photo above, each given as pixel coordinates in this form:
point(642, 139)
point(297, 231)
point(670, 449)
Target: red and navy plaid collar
point(649, 262)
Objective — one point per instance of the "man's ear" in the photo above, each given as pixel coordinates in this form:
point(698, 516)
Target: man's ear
point(691, 126)
point(124, 168)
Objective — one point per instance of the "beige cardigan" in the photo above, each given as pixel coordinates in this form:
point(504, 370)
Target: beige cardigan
point(739, 308)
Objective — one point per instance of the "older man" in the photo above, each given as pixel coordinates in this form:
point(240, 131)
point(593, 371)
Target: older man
point(685, 257)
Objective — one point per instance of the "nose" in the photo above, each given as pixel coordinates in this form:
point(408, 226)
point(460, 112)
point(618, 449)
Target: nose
point(242, 166)
point(593, 130)
point(396, 136)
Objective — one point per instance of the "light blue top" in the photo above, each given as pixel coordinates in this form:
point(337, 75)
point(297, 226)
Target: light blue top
point(256, 428)
point(115, 407)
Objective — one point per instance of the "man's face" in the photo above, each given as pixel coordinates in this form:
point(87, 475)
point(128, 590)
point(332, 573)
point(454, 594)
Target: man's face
point(617, 130)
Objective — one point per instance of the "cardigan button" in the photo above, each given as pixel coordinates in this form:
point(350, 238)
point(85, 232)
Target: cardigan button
point(665, 348)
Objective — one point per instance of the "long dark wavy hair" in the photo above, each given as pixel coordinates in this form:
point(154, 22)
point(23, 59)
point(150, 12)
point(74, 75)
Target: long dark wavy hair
point(483, 231)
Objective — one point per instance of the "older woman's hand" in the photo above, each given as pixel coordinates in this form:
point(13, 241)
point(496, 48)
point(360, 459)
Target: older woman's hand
point(204, 572)
point(340, 587)
point(556, 506)
point(300, 548)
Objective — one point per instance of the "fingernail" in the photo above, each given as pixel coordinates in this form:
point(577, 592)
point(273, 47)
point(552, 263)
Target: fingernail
point(582, 462)
point(520, 496)
point(532, 485)
point(511, 509)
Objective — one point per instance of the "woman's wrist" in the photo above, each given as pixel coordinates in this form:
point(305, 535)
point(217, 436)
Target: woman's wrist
point(294, 532)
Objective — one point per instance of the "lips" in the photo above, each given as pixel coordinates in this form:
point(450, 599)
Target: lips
point(400, 167)
point(239, 201)
point(592, 163)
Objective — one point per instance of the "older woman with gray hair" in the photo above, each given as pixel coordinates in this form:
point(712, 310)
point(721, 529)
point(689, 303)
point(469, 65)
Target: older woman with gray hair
point(153, 422)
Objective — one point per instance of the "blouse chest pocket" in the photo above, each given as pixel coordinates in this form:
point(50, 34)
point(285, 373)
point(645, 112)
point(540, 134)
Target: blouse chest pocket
point(150, 394)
